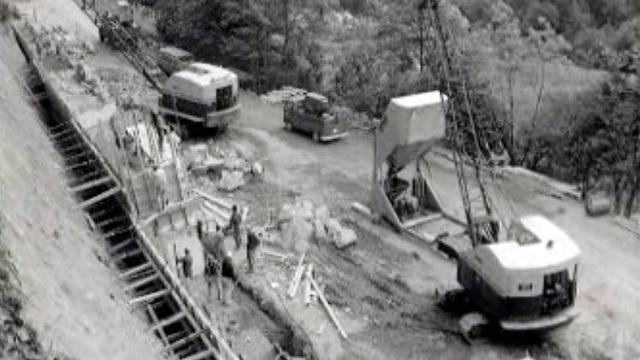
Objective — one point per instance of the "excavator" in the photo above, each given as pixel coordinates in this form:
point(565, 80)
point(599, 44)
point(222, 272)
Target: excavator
point(520, 278)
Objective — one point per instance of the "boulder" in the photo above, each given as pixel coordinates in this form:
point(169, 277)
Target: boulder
point(296, 234)
point(235, 163)
point(231, 180)
point(320, 232)
point(334, 229)
point(347, 237)
point(302, 209)
point(322, 214)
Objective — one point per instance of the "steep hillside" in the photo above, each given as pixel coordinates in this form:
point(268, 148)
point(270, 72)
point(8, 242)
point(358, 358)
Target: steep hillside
point(69, 295)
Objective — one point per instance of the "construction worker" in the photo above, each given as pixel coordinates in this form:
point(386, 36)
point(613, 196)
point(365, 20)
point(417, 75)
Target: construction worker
point(187, 264)
point(234, 225)
point(254, 241)
point(160, 185)
point(219, 263)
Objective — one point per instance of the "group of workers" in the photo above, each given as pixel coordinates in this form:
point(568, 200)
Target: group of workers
point(218, 256)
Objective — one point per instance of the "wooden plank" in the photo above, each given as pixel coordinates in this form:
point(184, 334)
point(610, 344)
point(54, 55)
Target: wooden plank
point(127, 254)
point(81, 164)
point(62, 132)
point(327, 307)
point(169, 209)
point(217, 211)
point(184, 341)
point(149, 297)
point(144, 281)
point(422, 220)
point(73, 147)
point(308, 291)
point(111, 221)
point(168, 321)
point(297, 277)
point(201, 355)
point(214, 200)
point(136, 270)
point(102, 196)
point(123, 244)
point(68, 159)
point(154, 318)
point(115, 232)
point(90, 184)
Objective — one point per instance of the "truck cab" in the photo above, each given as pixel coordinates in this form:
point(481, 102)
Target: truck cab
point(312, 115)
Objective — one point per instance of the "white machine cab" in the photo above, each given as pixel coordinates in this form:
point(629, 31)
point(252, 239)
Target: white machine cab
point(200, 82)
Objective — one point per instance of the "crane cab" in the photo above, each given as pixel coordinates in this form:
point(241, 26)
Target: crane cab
point(527, 282)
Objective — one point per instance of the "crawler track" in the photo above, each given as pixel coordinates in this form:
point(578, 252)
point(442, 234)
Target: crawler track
point(184, 330)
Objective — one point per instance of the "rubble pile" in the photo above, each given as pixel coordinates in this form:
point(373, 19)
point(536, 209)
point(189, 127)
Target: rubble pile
point(301, 222)
point(58, 43)
point(287, 93)
point(55, 43)
point(230, 169)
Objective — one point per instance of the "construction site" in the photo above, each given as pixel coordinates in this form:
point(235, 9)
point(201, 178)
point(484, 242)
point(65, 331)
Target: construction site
point(153, 207)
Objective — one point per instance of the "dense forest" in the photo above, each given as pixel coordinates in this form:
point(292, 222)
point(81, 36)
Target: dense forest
point(552, 81)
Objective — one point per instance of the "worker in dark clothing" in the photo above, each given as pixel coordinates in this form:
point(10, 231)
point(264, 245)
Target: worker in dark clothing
point(187, 264)
point(253, 246)
point(234, 225)
point(219, 263)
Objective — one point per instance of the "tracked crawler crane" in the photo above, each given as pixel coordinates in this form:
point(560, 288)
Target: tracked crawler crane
point(524, 280)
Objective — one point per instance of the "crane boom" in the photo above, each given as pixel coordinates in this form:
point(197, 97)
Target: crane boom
point(458, 94)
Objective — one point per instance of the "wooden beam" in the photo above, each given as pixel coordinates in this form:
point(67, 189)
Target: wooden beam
point(111, 221)
point(327, 307)
point(201, 355)
point(138, 269)
point(62, 132)
point(149, 297)
point(127, 254)
point(81, 164)
point(112, 233)
point(90, 184)
point(168, 321)
point(76, 156)
point(116, 248)
point(138, 283)
point(214, 200)
point(154, 318)
point(96, 199)
point(184, 341)
point(297, 277)
point(73, 147)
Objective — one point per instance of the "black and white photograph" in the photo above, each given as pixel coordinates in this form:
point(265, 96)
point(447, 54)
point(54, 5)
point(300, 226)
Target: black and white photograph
point(319, 179)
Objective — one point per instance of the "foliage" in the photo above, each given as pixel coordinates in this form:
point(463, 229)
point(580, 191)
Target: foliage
point(7, 12)
point(257, 37)
point(595, 141)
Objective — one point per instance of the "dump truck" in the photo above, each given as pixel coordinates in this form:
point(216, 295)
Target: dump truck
point(200, 96)
point(523, 279)
point(312, 115)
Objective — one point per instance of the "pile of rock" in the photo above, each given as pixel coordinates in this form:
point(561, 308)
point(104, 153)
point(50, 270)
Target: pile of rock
point(85, 76)
point(301, 222)
point(57, 42)
point(287, 93)
point(230, 169)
